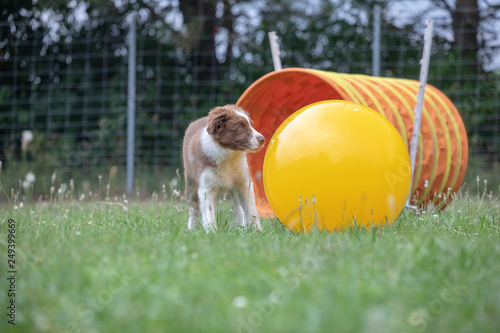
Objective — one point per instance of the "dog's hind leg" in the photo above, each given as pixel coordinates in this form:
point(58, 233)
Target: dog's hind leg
point(239, 213)
point(207, 198)
point(194, 206)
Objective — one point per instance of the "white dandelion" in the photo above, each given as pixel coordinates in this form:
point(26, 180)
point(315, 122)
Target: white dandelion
point(26, 138)
point(240, 302)
point(30, 177)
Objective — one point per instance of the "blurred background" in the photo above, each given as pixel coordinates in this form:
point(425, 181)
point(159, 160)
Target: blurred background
point(64, 76)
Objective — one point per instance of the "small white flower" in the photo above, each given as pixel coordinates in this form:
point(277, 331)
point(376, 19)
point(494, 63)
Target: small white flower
point(21, 205)
point(16, 208)
point(26, 185)
point(89, 223)
point(174, 182)
point(26, 138)
point(177, 193)
point(30, 177)
point(62, 189)
point(78, 233)
point(240, 302)
point(53, 178)
point(426, 183)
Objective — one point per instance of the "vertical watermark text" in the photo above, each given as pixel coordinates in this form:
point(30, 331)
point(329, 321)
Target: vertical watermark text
point(11, 272)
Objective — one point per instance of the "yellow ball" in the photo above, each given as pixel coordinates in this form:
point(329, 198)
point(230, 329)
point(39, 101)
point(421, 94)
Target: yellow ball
point(335, 164)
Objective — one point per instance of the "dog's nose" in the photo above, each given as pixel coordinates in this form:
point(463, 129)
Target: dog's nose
point(261, 139)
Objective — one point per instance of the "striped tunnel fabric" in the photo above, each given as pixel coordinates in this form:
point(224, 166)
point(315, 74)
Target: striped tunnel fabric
point(442, 148)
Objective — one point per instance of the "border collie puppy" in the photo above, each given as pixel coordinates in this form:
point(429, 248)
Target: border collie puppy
point(214, 155)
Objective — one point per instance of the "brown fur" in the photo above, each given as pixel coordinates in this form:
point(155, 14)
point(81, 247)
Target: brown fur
point(229, 135)
point(229, 129)
point(219, 119)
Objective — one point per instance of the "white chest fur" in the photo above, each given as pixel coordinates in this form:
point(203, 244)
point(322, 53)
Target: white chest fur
point(228, 172)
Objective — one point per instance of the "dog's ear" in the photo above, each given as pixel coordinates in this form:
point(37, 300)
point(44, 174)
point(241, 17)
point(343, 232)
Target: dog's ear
point(217, 119)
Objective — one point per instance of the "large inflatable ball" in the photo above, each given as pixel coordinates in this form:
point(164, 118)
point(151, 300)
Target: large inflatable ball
point(336, 164)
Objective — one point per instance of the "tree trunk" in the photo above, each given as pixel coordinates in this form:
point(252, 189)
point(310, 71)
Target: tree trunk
point(200, 19)
point(465, 29)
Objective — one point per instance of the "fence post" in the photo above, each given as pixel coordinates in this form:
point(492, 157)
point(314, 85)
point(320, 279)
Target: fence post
point(275, 50)
point(424, 69)
point(131, 82)
point(377, 22)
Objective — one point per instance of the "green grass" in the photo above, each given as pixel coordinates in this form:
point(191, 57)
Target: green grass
point(96, 267)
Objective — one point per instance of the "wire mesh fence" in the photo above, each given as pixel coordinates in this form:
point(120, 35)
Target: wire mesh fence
point(69, 88)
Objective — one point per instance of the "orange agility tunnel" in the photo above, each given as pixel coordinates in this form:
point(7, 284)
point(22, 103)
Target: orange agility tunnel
point(442, 148)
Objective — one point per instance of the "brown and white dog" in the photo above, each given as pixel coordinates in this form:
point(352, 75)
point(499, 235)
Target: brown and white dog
point(214, 155)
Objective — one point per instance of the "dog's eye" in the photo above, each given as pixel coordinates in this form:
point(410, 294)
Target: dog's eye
point(241, 128)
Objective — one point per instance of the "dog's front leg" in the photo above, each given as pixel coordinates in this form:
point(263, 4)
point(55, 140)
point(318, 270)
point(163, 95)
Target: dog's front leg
point(207, 197)
point(247, 199)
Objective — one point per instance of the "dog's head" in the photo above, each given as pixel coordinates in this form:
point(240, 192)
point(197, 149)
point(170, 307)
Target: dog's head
point(232, 128)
